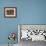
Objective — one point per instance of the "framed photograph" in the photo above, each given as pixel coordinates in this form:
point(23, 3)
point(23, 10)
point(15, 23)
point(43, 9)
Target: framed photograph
point(33, 32)
point(10, 12)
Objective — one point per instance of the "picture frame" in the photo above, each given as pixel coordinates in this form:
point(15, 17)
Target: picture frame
point(10, 12)
point(39, 28)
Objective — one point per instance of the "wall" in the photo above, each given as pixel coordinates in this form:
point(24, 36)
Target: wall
point(34, 12)
point(28, 12)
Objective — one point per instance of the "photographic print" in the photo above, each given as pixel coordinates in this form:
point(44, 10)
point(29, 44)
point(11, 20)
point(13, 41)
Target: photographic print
point(10, 12)
point(32, 32)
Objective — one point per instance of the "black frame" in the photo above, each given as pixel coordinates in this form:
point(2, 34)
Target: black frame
point(9, 16)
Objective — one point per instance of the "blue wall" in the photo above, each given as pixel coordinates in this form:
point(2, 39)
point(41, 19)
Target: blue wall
point(28, 12)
